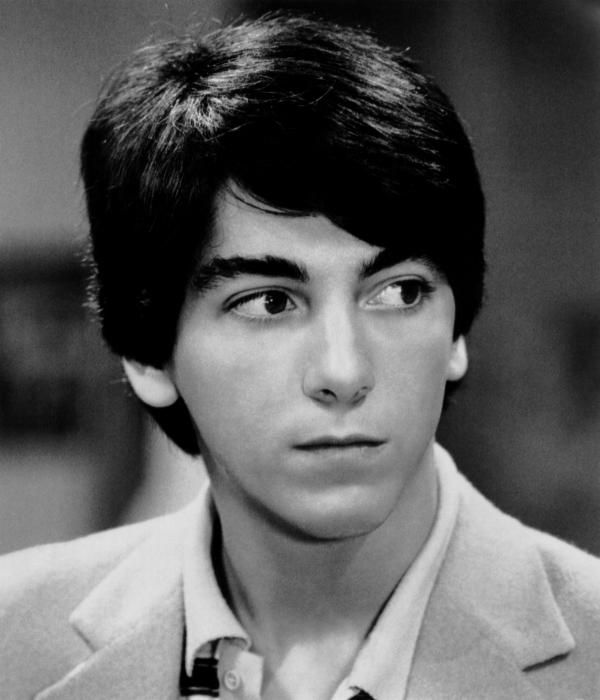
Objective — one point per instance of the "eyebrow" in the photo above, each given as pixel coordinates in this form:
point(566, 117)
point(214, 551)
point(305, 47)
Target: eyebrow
point(388, 257)
point(209, 274)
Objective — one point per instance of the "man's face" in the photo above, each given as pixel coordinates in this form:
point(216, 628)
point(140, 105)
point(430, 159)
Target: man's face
point(314, 371)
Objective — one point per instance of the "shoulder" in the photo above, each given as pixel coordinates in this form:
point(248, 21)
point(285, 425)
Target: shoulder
point(533, 585)
point(493, 528)
point(39, 589)
point(40, 586)
point(69, 563)
point(574, 576)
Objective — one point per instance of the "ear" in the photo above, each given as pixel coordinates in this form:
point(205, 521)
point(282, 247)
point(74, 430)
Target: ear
point(153, 386)
point(459, 360)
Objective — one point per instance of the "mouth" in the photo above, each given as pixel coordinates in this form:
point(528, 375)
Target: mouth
point(330, 442)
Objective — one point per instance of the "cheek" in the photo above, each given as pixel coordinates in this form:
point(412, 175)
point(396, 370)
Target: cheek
point(416, 360)
point(225, 382)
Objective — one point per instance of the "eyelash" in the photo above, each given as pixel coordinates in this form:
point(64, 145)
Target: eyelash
point(237, 303)
point(425, 289)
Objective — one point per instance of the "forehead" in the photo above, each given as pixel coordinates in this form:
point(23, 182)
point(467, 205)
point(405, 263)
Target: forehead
point(243, 227)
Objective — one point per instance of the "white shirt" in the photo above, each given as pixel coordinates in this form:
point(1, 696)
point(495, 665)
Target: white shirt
point(382, 665)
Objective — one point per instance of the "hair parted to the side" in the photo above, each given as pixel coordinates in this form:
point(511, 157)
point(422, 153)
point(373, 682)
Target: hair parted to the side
point(304, 115)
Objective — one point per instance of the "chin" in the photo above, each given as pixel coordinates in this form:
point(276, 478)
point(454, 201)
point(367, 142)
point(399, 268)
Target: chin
point(334, 521)
point(341, 529)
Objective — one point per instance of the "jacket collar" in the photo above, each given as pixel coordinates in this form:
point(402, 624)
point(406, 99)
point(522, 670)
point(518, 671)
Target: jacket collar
point(132, 622)
point(492, 613)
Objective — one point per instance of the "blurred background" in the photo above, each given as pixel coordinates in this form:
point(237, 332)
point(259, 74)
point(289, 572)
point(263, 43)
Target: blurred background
point(75, 452)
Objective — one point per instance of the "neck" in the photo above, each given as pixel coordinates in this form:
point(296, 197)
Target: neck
point(288, 590)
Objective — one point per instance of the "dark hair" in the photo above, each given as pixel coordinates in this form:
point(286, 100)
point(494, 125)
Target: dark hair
point(304, 115)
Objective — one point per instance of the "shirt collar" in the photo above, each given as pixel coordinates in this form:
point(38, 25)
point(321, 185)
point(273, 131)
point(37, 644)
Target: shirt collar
point(208, 617)
point(383, 664)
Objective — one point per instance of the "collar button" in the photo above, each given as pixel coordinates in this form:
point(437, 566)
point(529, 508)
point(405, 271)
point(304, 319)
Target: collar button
point(232, 680)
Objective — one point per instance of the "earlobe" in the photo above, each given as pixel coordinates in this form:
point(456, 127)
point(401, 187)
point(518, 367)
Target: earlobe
point(459, 360)
point(153, 386)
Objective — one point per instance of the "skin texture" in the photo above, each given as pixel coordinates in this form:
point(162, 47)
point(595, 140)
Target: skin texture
point(315, 537)
point(266, 364)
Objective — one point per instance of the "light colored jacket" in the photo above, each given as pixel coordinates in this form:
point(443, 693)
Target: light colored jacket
point(514, 615)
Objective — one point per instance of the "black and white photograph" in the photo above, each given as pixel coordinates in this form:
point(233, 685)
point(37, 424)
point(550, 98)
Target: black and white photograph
point(300, 349)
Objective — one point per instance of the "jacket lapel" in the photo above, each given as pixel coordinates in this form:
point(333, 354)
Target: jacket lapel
point(492, 615)
point(132, 622)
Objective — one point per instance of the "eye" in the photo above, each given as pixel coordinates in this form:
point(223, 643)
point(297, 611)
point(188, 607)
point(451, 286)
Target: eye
point(263, 304)
point(402, 294)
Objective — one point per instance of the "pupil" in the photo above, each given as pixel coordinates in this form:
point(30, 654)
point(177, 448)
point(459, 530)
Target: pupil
point(410, 292)
point(275, 303)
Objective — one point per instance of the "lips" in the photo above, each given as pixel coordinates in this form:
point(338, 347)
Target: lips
point(336, 442)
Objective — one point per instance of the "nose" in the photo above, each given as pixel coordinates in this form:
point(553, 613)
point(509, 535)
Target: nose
point(339, 371)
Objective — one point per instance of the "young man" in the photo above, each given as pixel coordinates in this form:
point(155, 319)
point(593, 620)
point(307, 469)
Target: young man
point(287, 230)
